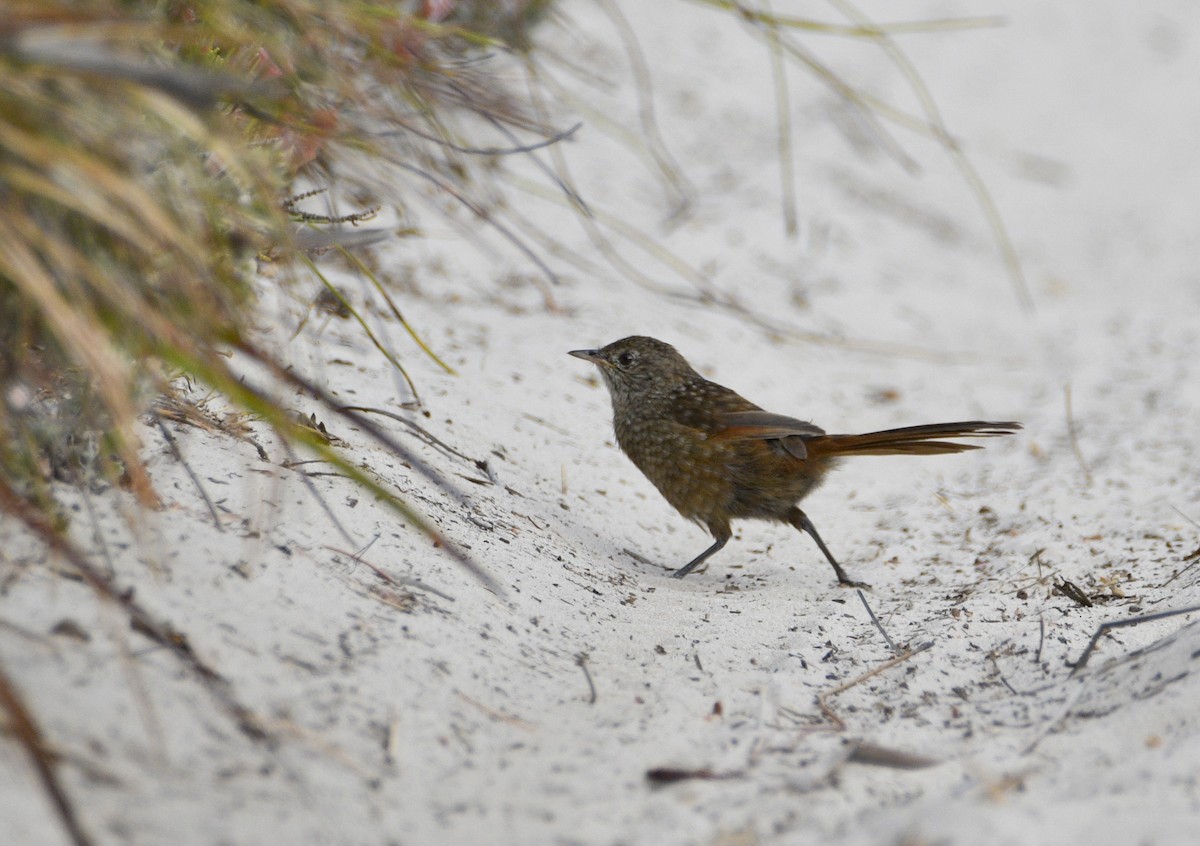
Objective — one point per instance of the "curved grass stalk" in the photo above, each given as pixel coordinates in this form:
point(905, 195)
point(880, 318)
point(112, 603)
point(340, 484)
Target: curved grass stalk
point(375, 342)
point(931, 125)
point(23, 727)
point(783, 114)
point(964, 164)
point(644, 90)
point(216, 374)
point(540, 75)
point(412, 333)
point(484, 215)
point(868, 29)
point(635, 236)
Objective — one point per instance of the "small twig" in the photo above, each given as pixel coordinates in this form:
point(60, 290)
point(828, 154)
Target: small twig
point(385, 440)
point(875, 620)
point(581, 661)
point(25, 730)
point(425, 435)
point(1193, 556)
point(484, 215)
point(291, 463)
point(290, 206)
point(1036, 558)
point(1072, 591)
point(357, 555)
point(486, 151)
point(390, 301)
point(533, 418)
point(363, 325)
point(383, 575)
point(1000, 674)
point(661, 776)
point(1071, 434)
point(865, 752)
point(1185, 517)
point(641, 559)
point(97, 534)
point(823, 698)
point(575, 197)
point(316, 742)
point(1037, 657)
point(1104, 628)
point(497, 715)
point(187, 468)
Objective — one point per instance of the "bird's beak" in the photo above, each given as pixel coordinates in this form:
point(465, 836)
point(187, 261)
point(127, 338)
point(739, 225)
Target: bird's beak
point(589, 355)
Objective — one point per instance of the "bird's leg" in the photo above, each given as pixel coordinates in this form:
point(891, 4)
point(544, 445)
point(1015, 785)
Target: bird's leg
point(800, 520)
point(722, 535)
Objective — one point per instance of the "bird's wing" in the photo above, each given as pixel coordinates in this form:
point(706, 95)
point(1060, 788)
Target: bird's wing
point(763, 425)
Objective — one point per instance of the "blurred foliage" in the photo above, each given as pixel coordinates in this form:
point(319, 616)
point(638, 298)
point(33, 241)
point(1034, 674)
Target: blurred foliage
point(147, 154)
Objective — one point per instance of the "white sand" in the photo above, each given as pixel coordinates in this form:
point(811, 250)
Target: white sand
point(421, 719)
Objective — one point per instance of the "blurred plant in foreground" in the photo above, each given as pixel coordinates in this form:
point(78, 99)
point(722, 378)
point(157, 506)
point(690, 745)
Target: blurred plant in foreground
point(147, 153)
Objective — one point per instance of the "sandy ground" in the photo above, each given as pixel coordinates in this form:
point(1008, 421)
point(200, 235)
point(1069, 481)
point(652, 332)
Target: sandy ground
point(440, 712)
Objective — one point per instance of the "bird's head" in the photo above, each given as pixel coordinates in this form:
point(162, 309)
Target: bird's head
point(639, 369)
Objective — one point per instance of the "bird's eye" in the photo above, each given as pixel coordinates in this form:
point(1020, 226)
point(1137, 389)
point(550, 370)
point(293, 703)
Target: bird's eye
point(626, 359)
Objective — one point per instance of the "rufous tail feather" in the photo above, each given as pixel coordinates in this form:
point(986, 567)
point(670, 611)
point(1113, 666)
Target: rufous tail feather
point(910, 440)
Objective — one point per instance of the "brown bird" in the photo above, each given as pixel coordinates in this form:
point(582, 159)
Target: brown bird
point(718, 457)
